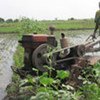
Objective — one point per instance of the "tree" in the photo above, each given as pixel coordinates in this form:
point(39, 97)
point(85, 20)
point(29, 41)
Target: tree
point(1, 20)
point(71, 18)
point(16, 20)
point(9, 20)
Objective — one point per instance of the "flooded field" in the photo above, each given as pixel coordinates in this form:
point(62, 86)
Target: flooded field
point(8, 44)
point(75, 36)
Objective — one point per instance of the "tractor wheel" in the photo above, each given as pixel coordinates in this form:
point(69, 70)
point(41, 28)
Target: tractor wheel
point(81, 50)
point(38, 58)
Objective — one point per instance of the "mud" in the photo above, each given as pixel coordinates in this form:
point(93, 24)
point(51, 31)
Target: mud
point(8, 44)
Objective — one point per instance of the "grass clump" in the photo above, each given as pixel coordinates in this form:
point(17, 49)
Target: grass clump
point(19, 56)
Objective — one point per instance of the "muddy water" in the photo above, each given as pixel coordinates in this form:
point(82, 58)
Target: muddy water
point(8, 44)
point(75, 36)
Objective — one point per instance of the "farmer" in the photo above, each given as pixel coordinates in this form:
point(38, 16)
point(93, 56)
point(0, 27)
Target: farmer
point(97, 23)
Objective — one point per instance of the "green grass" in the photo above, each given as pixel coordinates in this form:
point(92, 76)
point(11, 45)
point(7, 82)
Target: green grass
point(19, 56)
point(70, 24)
point(43, 25)
point(9, 27)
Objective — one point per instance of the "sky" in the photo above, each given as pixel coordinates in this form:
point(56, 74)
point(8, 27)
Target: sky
point(48, 9)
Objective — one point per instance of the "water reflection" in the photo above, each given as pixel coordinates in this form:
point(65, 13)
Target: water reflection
point(8, 43)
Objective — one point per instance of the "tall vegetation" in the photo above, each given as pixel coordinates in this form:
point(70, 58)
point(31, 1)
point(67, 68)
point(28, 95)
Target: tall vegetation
point(1, 20)
point(31, 26)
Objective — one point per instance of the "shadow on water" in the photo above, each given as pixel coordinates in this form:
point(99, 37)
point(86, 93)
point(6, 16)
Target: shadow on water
point(8, 44)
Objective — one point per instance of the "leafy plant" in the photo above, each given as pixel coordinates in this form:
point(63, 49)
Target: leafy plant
point(62, 74)
point(91, 91)
point(30, 26)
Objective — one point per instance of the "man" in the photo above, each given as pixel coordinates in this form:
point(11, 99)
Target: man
point(97, 22)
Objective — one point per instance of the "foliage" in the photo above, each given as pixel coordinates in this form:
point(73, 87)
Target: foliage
point(91, 81)
point(46, 87)
point(9, 27)
point(9, 20)
point(91, 91)
point(62, 74)
point(19, 55)
point(2, 20)
point(26, 25)
point(31, 26)
point(16, 20)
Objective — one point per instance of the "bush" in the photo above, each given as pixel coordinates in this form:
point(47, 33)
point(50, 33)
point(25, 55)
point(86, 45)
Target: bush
point(31, 26)
point(16, 20)
point(2, 20)
point(9, 20)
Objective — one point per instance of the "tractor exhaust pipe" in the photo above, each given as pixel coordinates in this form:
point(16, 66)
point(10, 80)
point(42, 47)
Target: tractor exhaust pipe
point(63, 41)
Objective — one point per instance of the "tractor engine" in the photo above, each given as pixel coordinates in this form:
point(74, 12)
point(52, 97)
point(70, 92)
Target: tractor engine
point(34, 47)
point(39, 51)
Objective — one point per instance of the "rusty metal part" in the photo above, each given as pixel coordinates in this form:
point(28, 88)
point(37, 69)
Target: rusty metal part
point(81, 50)
point(66, 59)
point(64, 42)
point(64, 53)
point(36, 53)
point(38, 59)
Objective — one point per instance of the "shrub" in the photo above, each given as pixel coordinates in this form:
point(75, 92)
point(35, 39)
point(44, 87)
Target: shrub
point(9, 20)
point(2, 20)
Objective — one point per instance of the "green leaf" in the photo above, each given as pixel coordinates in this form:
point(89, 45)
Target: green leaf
point(31, 79)
point(97, 69)
point(77, 95)
point(62, 74)
point(46, 81)
point(91, 91)
point(43, 89)
point(45, 74)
